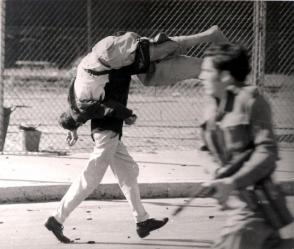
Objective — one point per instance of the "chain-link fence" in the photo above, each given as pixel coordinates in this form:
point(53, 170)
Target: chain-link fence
point(43, 40)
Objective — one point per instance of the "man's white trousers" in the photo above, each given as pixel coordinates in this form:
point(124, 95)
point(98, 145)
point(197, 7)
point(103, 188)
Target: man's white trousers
point(108, 151)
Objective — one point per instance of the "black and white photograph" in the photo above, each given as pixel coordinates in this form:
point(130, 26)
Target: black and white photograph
point(146, 124)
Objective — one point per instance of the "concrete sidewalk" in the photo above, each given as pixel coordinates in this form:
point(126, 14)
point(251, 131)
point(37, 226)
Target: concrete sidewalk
point(162, 175)
point(109, 225)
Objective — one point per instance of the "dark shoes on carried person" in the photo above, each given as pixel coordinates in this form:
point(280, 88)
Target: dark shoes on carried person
point(161, 38)
point(144, 228)
point(57, 229)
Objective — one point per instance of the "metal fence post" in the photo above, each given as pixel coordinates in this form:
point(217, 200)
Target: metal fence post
point(258, 55)
point(2, 53)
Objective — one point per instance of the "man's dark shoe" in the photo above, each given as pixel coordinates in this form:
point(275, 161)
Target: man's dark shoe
point(57, 229)
point(144, 228)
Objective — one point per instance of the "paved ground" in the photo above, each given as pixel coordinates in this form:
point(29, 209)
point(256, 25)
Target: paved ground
point(165, 174)
point(109, 225)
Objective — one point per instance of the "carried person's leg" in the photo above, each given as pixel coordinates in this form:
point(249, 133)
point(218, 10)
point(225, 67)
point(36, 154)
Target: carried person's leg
point(213, 34)
point(164, 46)
point(172, 70)
point(126, 170)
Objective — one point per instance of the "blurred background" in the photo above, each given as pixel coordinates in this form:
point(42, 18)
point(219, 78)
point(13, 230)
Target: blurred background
point(41, 42)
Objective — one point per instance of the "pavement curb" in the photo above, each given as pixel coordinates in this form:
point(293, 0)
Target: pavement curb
point(44, 193)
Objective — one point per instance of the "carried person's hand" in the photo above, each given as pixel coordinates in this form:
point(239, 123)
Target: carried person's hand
point(131, 120)
point(72, 137)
